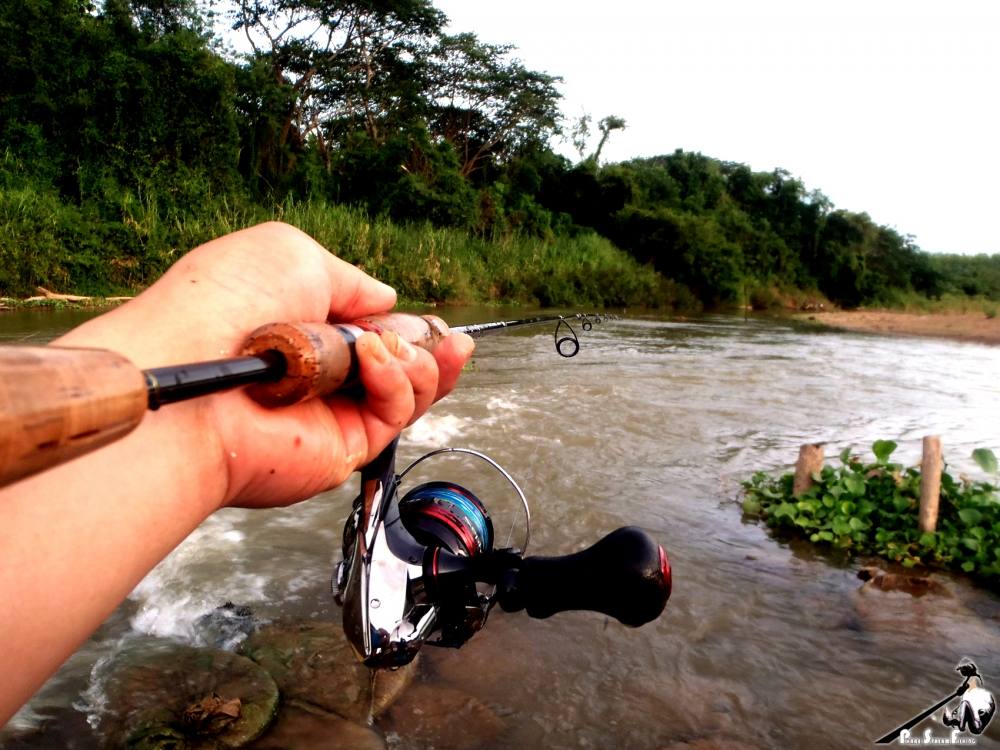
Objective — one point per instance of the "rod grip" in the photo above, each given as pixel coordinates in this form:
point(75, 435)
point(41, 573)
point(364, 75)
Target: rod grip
point(625, 575)
point(320, 357)
point(57, 403)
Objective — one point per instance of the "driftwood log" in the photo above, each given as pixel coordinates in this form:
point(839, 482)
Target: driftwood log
point(47, 294)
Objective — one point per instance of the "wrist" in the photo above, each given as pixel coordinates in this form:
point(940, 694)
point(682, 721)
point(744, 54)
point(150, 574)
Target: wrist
point(177, 446)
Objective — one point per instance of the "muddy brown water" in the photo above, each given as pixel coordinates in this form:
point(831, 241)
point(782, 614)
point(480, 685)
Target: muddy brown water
point(765, 642)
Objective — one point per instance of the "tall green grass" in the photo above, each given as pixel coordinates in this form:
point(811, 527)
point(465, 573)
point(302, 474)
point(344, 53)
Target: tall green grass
point(133, 237)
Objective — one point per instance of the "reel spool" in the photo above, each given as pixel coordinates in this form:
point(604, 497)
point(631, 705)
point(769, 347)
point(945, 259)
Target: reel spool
point(444, 514)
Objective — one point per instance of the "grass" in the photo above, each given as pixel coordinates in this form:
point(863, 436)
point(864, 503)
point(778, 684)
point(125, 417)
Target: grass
point(118, 251)
point(947, 303)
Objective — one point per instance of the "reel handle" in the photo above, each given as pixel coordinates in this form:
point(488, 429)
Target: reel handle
point(625, 575)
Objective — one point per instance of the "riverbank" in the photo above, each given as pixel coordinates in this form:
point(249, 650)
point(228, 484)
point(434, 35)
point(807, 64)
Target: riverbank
point(961, 326)
point(51, 244)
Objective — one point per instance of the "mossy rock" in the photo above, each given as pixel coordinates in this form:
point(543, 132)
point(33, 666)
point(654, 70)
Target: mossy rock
point(313, 663)
point(184, 698)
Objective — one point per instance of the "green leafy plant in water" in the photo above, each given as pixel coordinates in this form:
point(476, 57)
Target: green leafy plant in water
point(872, 508)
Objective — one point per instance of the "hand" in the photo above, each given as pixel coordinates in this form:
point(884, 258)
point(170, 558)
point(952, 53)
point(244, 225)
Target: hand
point(206, 305)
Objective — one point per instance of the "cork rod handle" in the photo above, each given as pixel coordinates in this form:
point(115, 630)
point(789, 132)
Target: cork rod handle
point(59, 403)
point(320, 357)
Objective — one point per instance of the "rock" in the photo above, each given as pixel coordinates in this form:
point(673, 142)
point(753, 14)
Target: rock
point(446, 718)
point(903, 609)
point(227, 626)
point(180, 697)
point(313, 663)
point(710, 743)
point(302, 727)
point(914, 585)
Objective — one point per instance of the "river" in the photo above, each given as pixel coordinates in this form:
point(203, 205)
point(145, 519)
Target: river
point(655, 423)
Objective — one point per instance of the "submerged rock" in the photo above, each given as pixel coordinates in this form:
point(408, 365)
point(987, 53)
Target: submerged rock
point(183, 698)
point(444, 718)
point(914, 585)
point(710, 743)
point(919, 611)
point(313, 663)
point(303, 727)
point(227, 626)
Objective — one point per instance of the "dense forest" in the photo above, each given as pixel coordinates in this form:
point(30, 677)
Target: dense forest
point(130, 131)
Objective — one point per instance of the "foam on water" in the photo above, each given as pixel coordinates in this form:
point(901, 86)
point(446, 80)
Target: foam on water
point(436, 431)
point(501, 403)
point(177, 592)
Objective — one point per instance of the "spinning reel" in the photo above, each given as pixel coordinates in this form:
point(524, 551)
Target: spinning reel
point(425, 568)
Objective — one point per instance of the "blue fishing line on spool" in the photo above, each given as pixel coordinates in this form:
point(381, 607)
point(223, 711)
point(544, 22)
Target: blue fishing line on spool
point(467, 505)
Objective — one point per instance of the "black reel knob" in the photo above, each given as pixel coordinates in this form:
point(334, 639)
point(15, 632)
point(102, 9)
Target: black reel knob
point(625, 575)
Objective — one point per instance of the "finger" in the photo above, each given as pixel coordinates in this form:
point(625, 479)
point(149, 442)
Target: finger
point(420, 367)
point(389, 400)
point(355, 293)
point(451, 355)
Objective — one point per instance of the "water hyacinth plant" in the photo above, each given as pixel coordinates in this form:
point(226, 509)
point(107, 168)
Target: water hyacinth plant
point(872, 508)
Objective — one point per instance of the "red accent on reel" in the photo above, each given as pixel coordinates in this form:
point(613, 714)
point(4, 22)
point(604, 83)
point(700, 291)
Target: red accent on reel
point(463, 533)
point(665, 570)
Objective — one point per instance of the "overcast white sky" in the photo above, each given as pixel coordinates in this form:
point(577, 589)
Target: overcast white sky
point(886, 106)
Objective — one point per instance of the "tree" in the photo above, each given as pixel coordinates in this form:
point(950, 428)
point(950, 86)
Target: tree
point(379, 79)
point(580, 135)
point(346, 66)
point(606, 125)
point(487, 105)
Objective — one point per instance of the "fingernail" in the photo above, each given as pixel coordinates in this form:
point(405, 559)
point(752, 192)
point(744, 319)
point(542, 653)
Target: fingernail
point(386, 288)
point(465, 344)
point(377, 349)
point(398, 346)
point(406, 351)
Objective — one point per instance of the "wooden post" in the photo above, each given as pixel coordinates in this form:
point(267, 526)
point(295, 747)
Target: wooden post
point(930, 483)
point(810, 461)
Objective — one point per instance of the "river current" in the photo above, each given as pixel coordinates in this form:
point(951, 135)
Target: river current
point(655, 423)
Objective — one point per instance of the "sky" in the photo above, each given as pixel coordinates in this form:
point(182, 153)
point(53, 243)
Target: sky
point(891, 107)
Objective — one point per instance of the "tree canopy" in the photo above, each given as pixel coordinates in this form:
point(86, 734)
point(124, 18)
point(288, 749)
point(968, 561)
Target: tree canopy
point(371, 103)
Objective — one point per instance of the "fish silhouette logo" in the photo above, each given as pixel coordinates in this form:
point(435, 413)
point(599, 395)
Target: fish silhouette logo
point(971, 714)
point(976, 704)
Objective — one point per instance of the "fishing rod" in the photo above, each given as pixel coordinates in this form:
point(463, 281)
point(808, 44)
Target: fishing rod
point(420, 567)
point(57, 403)
point(567, 346)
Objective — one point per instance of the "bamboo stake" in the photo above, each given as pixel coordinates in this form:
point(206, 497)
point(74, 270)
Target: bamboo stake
point(930, 483)
point(810, 461)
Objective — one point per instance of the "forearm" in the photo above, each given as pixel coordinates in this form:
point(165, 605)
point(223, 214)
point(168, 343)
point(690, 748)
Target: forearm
point(76, 539)
point(73, 545)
